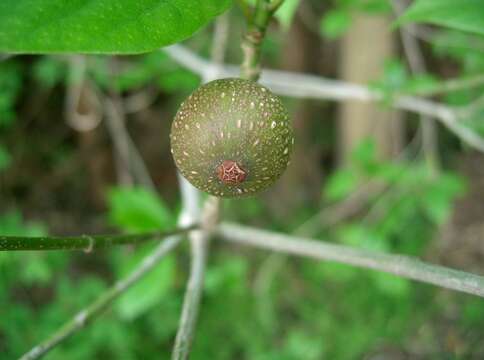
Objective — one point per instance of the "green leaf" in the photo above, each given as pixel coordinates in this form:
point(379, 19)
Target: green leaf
point(101, 26)
point(137, 209)
point(335, 23)
point(286, 12)
point(341, 184)
point(464, 15)
point(150, 290)
point(50, 70)
point(12, 224)
point(391, 284)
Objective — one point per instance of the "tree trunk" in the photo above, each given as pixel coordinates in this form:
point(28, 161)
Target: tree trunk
point(364, 50)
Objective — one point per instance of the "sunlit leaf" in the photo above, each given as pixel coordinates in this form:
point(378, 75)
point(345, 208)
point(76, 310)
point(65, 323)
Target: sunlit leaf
point(101, 26)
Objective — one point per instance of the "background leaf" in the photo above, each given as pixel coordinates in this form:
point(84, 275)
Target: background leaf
point(102, 26)
point(285, 14)
point(137, 209)
point(466, 15)
point(150, 290)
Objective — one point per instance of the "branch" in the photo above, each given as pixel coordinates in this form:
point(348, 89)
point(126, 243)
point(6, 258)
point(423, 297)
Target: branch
point(314, 87)
point(399, 265)
point(84, 317)
point(83, 242)
point(193, 295)
point(416, 61)
point(124, 146)
point(452, 85)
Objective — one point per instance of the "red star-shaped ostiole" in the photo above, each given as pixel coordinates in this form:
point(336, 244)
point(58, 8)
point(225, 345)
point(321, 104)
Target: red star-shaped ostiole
point(229, 172)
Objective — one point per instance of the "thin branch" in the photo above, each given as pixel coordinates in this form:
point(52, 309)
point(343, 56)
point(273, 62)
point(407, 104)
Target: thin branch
point(193, 295)
point(335, 213)
point(123, 143)
point(140, 100)
point(314, 87)
point(84, 317)
point(86, 243)
point(82, 107)
point(416, 61)
point(452, 85)
point(403, 266)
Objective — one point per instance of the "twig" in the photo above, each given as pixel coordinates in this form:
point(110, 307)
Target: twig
point(82, 107)
point(123, 143)
point(85, 316)
point(220, 37)
point(314, 87)
point(140, 100)
point(86, 243)
point(193, 294)
point(350, 206)
point(417, 65)
point(452, 85)
point(403, 266)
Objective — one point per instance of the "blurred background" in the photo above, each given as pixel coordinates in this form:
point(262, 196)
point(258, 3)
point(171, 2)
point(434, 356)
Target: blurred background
point(84, 149)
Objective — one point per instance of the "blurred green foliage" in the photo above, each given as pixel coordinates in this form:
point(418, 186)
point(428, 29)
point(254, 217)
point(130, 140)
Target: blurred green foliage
point(10, 87)
point(465, 15)
point(339, 18)
point(256, 305)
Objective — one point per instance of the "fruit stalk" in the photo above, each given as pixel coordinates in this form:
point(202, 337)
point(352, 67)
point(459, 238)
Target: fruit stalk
point(256, 30)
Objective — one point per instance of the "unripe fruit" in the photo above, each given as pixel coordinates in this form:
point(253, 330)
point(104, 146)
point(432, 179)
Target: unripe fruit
point(231, 137)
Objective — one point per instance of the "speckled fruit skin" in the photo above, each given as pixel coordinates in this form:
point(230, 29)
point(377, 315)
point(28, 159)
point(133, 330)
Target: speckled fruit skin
point(231, 122)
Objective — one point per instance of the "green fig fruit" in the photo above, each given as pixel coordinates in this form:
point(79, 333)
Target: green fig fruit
point(231, 138)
